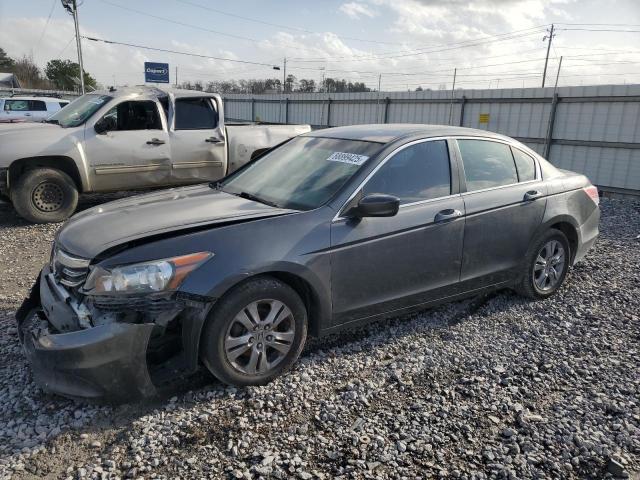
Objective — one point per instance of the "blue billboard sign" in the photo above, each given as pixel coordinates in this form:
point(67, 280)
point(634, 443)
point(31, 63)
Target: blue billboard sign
point(156, 72)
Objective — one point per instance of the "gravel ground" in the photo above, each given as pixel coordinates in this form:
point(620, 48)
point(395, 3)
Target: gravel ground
point(493, 387)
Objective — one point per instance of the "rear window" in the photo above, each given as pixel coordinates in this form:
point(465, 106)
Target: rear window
point(195, 114)
point(487, 164)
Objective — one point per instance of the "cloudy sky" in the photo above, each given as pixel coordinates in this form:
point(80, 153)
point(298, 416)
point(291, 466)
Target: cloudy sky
point(405, 43)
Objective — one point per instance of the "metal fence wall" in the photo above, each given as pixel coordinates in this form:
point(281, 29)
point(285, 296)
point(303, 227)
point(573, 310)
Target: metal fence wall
point(594, 130)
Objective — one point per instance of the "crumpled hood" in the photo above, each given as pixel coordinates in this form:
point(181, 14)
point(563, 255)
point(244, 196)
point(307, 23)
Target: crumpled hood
point(97, 229)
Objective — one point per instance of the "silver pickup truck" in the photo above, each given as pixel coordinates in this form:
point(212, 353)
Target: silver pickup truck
point(125, 139)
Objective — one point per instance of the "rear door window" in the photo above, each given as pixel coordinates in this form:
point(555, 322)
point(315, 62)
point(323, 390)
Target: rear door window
point(195, 114)
point(525, 165)
point(416, 173)
point(487, 164)
point(37, 106)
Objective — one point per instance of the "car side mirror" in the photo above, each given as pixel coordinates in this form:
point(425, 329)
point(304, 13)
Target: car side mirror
point(104, 125)
point(377, 205)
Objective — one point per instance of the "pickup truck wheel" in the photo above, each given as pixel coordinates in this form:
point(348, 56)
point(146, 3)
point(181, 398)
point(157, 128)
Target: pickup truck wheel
point(254, 333)
point(44, 195)
point(546, 262)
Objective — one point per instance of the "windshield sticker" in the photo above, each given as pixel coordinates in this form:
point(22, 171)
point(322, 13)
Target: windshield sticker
point(351, 158)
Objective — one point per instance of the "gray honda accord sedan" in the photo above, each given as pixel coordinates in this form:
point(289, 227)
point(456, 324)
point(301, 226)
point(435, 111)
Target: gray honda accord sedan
point(329, 230)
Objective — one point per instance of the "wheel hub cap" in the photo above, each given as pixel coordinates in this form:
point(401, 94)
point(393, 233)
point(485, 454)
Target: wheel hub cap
point(48, 197)
point(549, 266)
point(259, 337)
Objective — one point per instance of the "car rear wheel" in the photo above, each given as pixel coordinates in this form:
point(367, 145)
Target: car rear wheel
point(44, 195)
point(254, 333)
point(547, 262)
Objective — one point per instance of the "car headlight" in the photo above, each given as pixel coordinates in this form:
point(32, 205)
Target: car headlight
point(148, 277)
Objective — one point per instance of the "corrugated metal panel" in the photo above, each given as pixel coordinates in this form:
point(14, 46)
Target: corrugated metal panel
point(584, 113)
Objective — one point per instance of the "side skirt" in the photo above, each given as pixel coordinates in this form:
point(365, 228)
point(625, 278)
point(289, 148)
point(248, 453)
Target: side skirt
point(415, 308)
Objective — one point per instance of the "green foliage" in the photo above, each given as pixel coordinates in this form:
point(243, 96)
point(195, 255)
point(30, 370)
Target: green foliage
point(6, 62)
point(64, 75)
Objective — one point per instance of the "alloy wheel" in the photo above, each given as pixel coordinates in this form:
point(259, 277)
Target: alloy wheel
point(549, 266)
point(259, 337)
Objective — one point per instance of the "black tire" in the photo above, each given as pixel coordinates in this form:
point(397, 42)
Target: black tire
point(44, 195)
point(223, 319)
point(527, 285)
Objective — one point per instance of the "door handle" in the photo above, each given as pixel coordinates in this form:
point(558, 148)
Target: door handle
point(27, 114)
point(155, 141)
point(212, 140)
point(532, 195)
point(447, 215)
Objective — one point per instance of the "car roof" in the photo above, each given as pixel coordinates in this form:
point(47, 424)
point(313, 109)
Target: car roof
point(385, 133)
point(150, 91)
point(44, 99)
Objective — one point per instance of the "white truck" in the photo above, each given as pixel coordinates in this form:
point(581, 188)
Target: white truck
point(29, 109)
point(125, 139)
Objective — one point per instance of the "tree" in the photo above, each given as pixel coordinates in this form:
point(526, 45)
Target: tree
point(7, 64)
point(29, 74)
point(64, 75)
point(306, 86)
point(289, 83)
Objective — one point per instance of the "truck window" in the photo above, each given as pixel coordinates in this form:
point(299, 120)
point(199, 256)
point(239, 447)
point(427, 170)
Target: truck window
point(195, 114)
point(37, 106)
point(16, 105)
point(136, 115)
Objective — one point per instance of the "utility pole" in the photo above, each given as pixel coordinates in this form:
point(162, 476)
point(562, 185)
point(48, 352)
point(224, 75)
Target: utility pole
point(453, 89)
point(546, 60)
point(558, 74)
point(176, 76)
point(284, 76)
point(72, 7)
point(379, 87)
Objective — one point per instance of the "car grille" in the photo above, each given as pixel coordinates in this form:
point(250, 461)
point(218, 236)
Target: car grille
point(69, 270)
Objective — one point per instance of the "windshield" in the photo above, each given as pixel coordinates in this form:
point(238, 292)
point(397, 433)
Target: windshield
point(78, 111)
point(303, 173)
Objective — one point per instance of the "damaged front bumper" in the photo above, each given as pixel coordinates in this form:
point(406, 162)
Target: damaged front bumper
point(109, 361)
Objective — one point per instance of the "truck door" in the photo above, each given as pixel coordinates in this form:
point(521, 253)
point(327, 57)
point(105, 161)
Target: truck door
point(198, 141)
point(133, 151)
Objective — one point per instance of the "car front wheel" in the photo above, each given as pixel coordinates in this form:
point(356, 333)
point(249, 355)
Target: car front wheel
point(255, 332)
point(547, 263)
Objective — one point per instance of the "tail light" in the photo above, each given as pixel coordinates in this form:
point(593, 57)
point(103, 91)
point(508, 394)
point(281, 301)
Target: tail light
point(593, 193)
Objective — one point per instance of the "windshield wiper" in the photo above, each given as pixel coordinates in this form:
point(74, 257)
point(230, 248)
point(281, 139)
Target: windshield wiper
point(251, 196)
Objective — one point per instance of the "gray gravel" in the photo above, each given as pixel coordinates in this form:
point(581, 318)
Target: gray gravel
point(492, 387)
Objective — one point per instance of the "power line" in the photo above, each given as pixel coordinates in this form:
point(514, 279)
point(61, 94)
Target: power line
point(65, 47)
point(600, 24)
point(285, 27)
point(428, 50)
point(53, 4)
point(113, 42)
point(600, 30)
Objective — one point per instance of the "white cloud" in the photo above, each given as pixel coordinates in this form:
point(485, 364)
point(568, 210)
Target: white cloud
point(423, 42)
point(356, 10)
